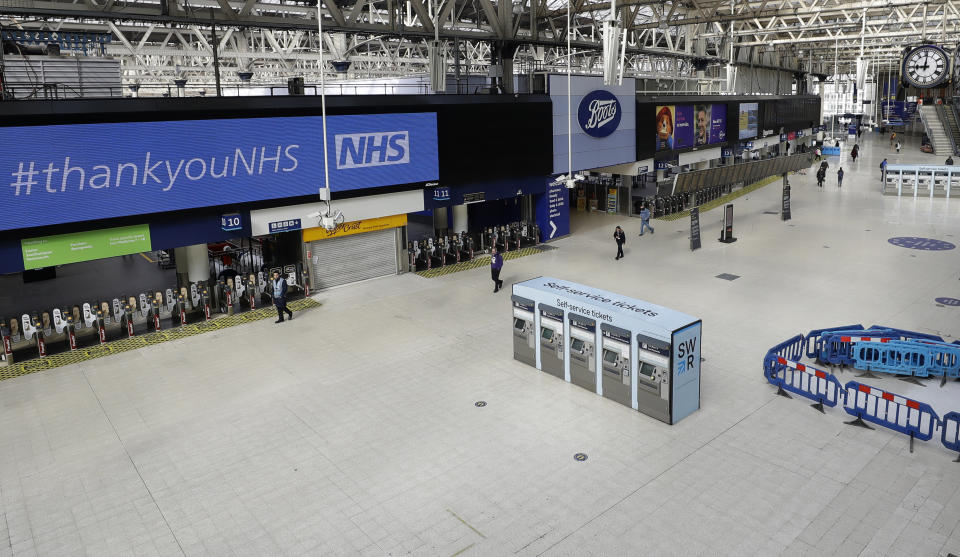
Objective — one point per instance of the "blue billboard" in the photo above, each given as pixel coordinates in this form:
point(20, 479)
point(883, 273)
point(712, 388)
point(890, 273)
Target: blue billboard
point(70, 173)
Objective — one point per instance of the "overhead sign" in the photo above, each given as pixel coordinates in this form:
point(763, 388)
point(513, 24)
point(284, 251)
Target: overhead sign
point(749, 116)
point(441, 193)
point(84, 246)
point(231, 222)
point(355, 227)
point(599, 113)
point(79, 172)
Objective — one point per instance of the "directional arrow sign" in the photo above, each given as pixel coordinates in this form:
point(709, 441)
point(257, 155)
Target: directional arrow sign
point(553, 229)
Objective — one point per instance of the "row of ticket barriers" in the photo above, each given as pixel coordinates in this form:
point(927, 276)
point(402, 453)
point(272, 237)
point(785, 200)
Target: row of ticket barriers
point(61, 329)
point(662, 205)
point(446, 250)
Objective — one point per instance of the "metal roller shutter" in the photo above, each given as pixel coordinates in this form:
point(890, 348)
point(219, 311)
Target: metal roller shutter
point(347, 259)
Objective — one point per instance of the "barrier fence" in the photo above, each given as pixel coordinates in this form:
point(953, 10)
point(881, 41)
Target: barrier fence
point(894, 349)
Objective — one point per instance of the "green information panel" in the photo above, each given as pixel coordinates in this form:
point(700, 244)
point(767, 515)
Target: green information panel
point(84, 246)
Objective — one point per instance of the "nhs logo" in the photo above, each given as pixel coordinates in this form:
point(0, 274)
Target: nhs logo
point(362, 150)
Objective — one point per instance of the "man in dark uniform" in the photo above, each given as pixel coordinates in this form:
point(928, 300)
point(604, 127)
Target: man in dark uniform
point(280, 296)
point(620, 237)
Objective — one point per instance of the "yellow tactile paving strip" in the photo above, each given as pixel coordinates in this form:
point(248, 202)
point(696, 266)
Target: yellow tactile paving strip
point(115, 347)
point(722, 200)
point(479, 261)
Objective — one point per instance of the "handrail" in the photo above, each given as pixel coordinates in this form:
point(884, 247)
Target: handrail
point(948, 131)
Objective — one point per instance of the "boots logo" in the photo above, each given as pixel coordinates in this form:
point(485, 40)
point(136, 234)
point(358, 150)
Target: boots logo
point(599, 113)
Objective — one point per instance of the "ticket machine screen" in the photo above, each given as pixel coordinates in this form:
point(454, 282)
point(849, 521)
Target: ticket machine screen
point(609, 356)
point(518, 323)
point(577, 345)
point(647, 369)
point(546, 333)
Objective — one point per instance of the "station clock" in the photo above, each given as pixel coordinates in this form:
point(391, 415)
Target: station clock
point(926, 66)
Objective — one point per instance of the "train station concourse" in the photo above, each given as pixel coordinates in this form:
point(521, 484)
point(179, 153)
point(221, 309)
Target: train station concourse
point(452, 278)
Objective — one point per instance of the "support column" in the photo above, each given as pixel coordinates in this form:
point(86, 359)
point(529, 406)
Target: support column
point(193, 264)
point(439, 219)
point(460, 218)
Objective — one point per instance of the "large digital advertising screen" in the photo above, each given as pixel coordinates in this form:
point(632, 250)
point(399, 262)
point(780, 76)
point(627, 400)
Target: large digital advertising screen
point(681, 126)
point(749, 119)
point(70, 173)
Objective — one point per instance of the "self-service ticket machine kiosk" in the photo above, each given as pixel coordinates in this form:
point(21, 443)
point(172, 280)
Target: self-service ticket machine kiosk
point(524, 339)
point(583, 352)
point(551, 341)
point(617, 370)
point(643, 355)
point(653, 377)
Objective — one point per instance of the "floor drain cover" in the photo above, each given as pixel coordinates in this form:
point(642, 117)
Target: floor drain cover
point(727, 276)
point(480, 403)
point(580, 457)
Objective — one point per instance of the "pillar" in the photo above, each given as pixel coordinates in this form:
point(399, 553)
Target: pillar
point(459, 218)
point(193, 264)
point(440, 219)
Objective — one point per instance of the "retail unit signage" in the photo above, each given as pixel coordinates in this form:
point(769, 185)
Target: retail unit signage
point(80, 172)
point(285, 226)
point(355, 227)
point(599, 113)
point(84, 246)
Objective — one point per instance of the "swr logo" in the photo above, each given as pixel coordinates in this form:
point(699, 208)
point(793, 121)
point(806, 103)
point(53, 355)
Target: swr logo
point(359, 150)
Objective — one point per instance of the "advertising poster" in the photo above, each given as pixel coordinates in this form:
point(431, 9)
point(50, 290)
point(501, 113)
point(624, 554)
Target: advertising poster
point(718, 123)
point(748, 120)
point(84, 246)
point(702, 114)
point(683, 131)
point(664, 128)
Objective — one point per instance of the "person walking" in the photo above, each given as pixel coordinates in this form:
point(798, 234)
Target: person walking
point(818, 153)
point(883, 170)
point(949, 161)
point(821, 176)
point(840, 177)
point(280, 296)
point(855, 152)
point(496, 264)
point(621, 238)
point(898, 146)
point(893, 137)
point(645, 220)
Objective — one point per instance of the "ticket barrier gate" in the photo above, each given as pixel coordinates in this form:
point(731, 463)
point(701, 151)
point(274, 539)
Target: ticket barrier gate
point(616, 364)
point(551, 341)
point(524, 338)
point(653, 377)
point(583, 354)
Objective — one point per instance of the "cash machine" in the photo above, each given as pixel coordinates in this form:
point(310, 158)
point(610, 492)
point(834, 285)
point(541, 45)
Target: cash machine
point(615, 358)
point(583, 353)
point(551, 341)
point(524, 339)
point(633, 352)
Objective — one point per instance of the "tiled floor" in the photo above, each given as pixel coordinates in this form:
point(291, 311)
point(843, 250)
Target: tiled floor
point(353, 429)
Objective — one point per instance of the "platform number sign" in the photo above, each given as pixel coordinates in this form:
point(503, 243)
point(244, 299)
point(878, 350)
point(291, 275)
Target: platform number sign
point(231, 222)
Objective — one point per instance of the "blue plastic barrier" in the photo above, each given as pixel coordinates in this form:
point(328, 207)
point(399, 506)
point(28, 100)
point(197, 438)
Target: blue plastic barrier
point(836, 347)
point(831, 151)
point(944, 358)
point(897, 357)
point(901, 414)
point(813, 345)
point(950, 436)
point(807, 381)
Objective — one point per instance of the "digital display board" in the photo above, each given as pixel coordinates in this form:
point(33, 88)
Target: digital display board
point(681, 126)
point(84, 246)
point(70, 173)
point(749, 120)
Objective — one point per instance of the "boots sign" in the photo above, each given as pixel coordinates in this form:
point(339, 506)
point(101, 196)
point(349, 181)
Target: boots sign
point(599, 113)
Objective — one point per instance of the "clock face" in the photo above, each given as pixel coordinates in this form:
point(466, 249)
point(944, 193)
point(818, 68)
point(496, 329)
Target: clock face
point(926, 66)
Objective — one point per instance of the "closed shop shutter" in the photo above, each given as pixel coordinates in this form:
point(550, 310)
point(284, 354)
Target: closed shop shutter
point(347, 259)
